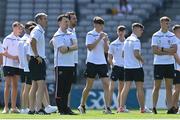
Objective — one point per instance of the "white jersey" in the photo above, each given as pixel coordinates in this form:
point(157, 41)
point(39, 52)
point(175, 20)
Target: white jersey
point(1, 48)
point(131, 44)
point(96, 55)
point(10, 43)
point(23, 52)
point(63, 39)
point(115, 49)
point(165, 40)
point(38, 34)
point(177, 66)
point(76, 51)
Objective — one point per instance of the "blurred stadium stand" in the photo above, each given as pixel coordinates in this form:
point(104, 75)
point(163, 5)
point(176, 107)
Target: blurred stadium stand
point(144, 11)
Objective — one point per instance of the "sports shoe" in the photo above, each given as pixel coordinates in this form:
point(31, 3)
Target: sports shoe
point(82, 109)
point(24, 111)
point(15, 110)
point(50, 109)
point(122, 110)
point(145, 110)
point(154, 110)
point(178, 111)
point(31, 112)
point(107, 110)
point(5, 111)
point(42, 112)
point(172, 111)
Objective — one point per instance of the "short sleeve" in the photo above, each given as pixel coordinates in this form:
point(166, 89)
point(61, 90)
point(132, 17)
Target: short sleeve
point(36, 34)
point(89, 39)
point(110, 51)
point(1, 48)
point(137, 45)
point(154, 41)
point(5, 43)
point(58, 41)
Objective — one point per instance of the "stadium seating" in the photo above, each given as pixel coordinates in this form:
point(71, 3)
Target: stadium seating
point(24, 10)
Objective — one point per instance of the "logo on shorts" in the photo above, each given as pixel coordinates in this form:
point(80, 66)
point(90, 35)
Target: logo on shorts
point(60, 72)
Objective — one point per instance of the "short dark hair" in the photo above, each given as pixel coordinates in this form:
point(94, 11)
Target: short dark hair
point(121, 28)
point(165, 18)
point(137, 25)
point(38, 16)
point(175, 27)
point(60, 17)
point(70, 13)
point(98, 20)
point(31, 27)
point(29, 24)
point(15, 24)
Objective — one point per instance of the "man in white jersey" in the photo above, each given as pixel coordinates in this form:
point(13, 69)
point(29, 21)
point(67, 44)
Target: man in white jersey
point(176, 81)
point(117, 63)
point(11, 66)
point(164, 46)
point(25, 75)
point(133, 68)
point(72, 25)
point(64, 44)
point(97, 44)
point(37, 64)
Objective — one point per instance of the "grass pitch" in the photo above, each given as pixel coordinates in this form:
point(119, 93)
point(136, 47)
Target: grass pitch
point(96, 114)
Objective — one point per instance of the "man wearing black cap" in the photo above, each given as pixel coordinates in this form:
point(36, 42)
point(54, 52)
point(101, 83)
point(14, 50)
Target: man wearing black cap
point(97, 44)
point(117, 63)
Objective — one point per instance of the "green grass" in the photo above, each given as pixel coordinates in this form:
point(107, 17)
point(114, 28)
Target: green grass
point(95, 114)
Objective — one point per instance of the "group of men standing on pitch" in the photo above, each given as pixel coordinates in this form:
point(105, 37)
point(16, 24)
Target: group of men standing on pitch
point(124, 56)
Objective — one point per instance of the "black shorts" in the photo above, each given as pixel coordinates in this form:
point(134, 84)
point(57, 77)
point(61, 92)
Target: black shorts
point(11, 71)
point(37, 71)
point(163, 71)
point(136, 74)
point(93, 69)
point(117, 73)
point(176, 79)
point(25, 78)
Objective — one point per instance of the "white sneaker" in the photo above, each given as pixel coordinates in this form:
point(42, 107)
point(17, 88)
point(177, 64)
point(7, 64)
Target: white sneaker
point(26, 110)
point(82, 109)
point(145, 110)
point(178, 111)
point(50, 109)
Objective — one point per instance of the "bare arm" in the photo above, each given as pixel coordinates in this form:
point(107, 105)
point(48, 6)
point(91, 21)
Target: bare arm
point(33, 46)
point(110, 58)
point(66, 49)
point(93, 45)
point(106, 44)
point(171, 50)
point(177, 58)
point(138, 56)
